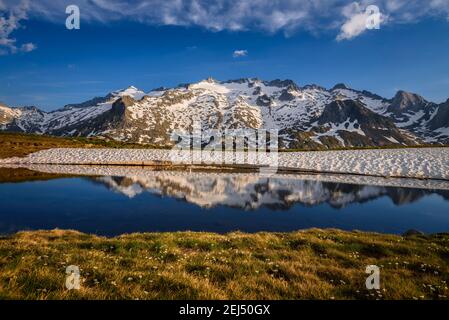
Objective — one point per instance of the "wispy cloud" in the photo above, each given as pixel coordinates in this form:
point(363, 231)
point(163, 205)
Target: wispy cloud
point(240, 53)
point(11, 16)
point(345, 18)
point(28, 47)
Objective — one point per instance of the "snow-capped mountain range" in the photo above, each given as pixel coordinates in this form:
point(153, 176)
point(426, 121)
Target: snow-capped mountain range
point(308, 117)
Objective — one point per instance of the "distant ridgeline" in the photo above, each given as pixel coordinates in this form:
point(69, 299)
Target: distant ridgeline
point(308, 117)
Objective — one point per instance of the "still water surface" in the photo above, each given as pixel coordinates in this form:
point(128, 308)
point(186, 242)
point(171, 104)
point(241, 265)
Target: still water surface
point(176, 202)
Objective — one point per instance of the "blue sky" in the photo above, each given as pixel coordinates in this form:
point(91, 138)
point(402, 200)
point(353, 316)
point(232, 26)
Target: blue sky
point(61, 66)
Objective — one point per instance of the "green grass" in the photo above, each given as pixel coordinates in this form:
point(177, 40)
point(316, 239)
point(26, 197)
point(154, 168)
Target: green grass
point(314, 264)
point(20, 144)
point(370, 148)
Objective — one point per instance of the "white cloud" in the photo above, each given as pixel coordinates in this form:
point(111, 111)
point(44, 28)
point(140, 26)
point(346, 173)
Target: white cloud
point(287, 16)
point(357, 19)
point(28, 47)
point(10, 20)
point(240, 53)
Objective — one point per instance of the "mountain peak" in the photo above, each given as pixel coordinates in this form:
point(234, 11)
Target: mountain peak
point(128, 89)
point(311, 119)
point(131, 91)
point(404, 100)
point(282, 83)
point(314, 86)
point(401, 94)
point(210, 80)
point(340, 86)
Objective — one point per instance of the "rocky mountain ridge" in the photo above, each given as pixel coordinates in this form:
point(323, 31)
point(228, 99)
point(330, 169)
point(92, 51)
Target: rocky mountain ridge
point(307, 117)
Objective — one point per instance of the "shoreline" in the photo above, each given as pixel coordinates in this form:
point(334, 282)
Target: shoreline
point(204, 167)
point(411, 233)
point(420, 163)
point(151, 171)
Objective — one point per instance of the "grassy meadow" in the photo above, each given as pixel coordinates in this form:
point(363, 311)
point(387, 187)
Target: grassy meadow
point(312, 264)
point(21, 144)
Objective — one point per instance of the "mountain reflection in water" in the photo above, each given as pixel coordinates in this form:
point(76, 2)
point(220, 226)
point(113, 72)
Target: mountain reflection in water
point(251, 192)
point(115, 200)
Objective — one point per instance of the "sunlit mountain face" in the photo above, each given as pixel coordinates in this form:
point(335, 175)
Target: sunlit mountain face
point(251, 192)
point(307, 117)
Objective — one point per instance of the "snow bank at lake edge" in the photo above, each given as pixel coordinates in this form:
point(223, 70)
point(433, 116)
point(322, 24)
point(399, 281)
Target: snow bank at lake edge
point(423, 163)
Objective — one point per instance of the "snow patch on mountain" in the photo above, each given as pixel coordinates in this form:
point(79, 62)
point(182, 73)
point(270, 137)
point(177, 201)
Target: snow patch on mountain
point(236, 104)
point(131, 91)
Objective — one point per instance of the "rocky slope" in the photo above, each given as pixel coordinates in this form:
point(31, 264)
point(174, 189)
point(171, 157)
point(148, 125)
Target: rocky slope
point(309, 117)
